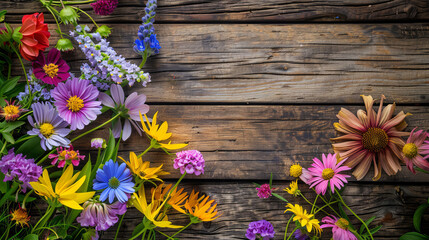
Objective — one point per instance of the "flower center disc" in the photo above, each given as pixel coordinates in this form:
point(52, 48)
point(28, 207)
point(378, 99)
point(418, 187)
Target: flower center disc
point(342, 223)
point(410, 150)
point(114, 183)
point(75, 104)
point(327, 173)
point(375, 139)
point(51, 70)
point(295, 170)
point(47, 130)
point(11, 110)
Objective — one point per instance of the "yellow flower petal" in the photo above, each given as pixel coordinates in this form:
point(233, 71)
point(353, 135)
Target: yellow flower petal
point(70, 203)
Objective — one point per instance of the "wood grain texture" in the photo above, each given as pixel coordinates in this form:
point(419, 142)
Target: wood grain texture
point(250, 11)
point(305, 63)
point(393, 206)
point(250, 142)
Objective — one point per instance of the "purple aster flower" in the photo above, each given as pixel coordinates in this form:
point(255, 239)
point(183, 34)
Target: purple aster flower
point(104, 7)
point(75, 101)
point(299, 235)
point(100, 215)
point(16, 167)
point(129, 108)
point(264, 191)
point(115, 181)
point(260, 229)
point(49, 126)
point(98, 143)
point(191, 161)
point(51, 70)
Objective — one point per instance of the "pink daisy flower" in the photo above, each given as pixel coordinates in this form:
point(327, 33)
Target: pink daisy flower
point(76, 102)
point(327, 172)
point(66, 155)
point(264, 191)
point(51, 70)
point(339, 228)
point(413, 150)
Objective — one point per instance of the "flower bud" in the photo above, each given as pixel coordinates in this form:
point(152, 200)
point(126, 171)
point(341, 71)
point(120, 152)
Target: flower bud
point(69, 15)
point(16, 35)
point(98, 143)
point(104, 31)
point(64, 45)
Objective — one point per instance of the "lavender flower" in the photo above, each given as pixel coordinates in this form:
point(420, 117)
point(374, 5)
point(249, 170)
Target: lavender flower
point(130, 109)
point(50, 127)
point(105, 66)
point(147, 44)
point(191, 161)
point(260, 229)
point(39, 90)
point(264, 191)
point(17, 167)
point(100, 215)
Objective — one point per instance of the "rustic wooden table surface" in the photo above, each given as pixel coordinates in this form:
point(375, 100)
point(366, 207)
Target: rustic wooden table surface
point(255, 85)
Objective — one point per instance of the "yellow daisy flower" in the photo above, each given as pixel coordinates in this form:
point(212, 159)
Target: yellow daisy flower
point(142, 169)
point(65, 189)
point(293, 188)
point(305, 219)
point(20, 216)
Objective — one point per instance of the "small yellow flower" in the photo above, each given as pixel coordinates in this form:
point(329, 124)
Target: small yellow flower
point(65, 189)
point(159, 133)
point(293, 188)
point(295, 170)
point(20, 216)
point(201, 208)
point(152, 210)
point(142, 169)
point(305, 219)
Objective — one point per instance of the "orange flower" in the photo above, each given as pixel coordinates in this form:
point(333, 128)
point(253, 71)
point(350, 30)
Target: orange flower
point(176, 197)
point(11, 111)
point(35, 36)
point(201, 208)
point(20, 216)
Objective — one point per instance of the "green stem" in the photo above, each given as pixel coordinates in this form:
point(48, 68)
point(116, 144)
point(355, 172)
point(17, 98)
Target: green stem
point(314, 204)
point(326, 202)
point(73, 2)
point(25, 198)
point(342, 201)
point(189, 224)
point(140, 233)
point(421, 170)
point(56, 20)
point(6, 196)
point(85, 14)
point(98, 127)
point(23, 69)
point(165, 235)
point(143, 60)
point(119, 226)
point(46, 156)
point(96, 166)
point(2, 148)
point(24, 139)
point(42, 221)
point(287, 225)
point(326, 205)
point(292, 233)
point(145, 151)
point(25, 114)
point(310, 202)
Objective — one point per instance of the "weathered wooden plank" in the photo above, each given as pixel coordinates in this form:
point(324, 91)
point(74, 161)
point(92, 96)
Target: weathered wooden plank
point(250, 11)
point(305, 63)
point(393, 206)
point(250, 142)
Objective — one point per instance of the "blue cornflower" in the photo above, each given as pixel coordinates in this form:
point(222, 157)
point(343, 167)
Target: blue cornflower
point(115, 179)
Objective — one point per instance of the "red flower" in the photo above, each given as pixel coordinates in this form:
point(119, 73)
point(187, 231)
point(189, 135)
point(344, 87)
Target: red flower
point(35, 36)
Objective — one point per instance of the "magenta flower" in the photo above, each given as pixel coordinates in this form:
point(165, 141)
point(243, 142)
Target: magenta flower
point(327, 172)
point(264, 191)
point(413, 150)
point(261, 229)
point(75, 101)
point(339, 228)
point(51, 70)
point(17, 168)
point(66, 155)
point(100, 215)
point(191, 161)
point(104, 7)
point(129, 108)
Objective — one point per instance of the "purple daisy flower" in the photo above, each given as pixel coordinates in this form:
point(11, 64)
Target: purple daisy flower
point(115, 181)
point(260, 229)
point(17, 167)
point(130, 109)
point(191, 161)
point(100, 215)
point(49, 126)
point(51, 70)
point(76, 102)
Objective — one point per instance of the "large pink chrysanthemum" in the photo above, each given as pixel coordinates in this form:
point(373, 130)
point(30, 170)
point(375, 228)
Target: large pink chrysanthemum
point(327, 172)
point(76, 102)
point(339, 228)
point(371, 137)
point(413, 150)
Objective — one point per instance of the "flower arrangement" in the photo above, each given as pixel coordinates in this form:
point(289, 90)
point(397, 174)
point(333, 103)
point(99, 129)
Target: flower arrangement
point(43, 116)
point(368, 138)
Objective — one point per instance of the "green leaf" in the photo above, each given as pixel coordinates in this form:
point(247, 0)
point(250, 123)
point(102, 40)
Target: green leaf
point(3, 185)
point(374, 230)
point(138, 228)
point(344, 215)
point(414, 236)
point(20, 87)
point(12, 125)
point(31, 148)
point(271, 180)
point(2, 15)
point(110, 148)
point(9, 85)
point(417, 218)
point(31, 237)
point(279, 197)
point(8, 137)
point(367, 222)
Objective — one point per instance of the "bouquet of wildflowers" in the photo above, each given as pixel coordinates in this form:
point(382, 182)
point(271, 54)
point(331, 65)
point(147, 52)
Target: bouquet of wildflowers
point(369, 138)
point(38, 161)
